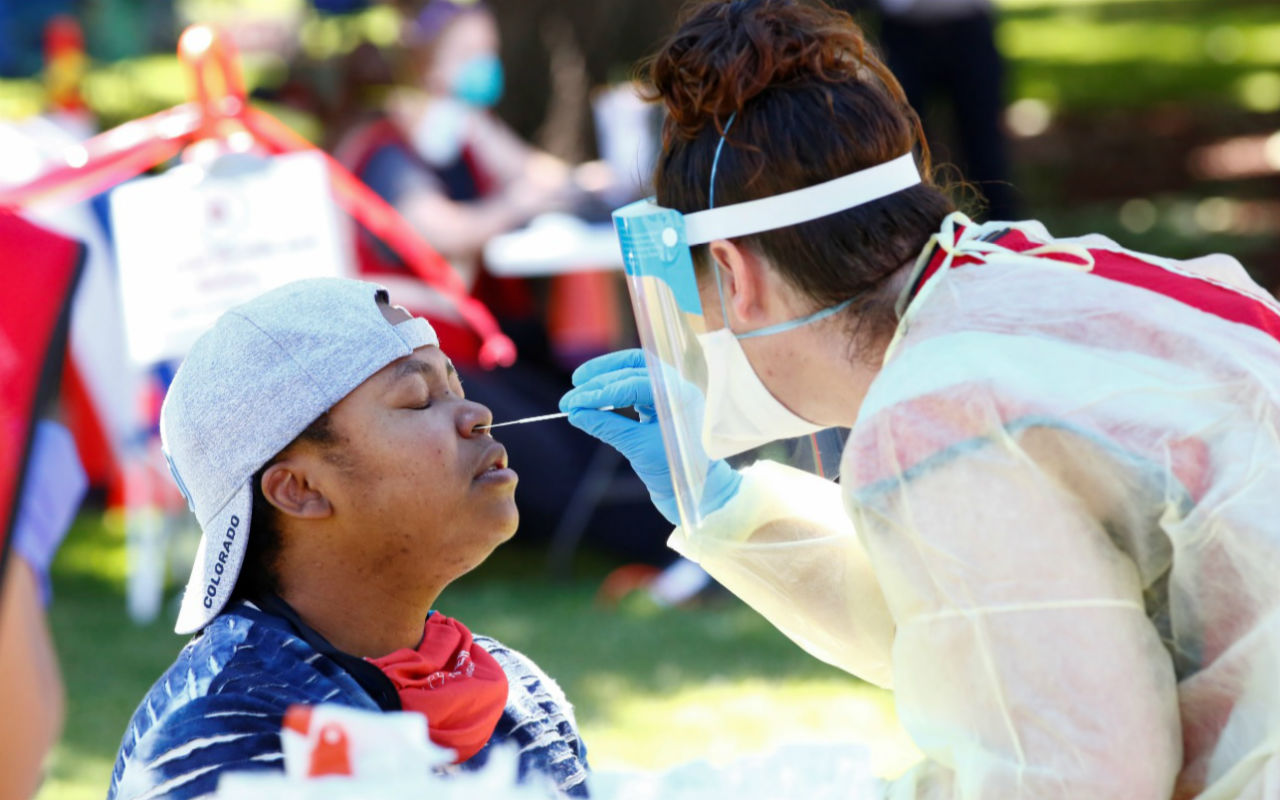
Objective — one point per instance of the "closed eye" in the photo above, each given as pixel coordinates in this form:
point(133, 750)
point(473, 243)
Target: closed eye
point(421, 399)
point(426, 378)
point(418, 398)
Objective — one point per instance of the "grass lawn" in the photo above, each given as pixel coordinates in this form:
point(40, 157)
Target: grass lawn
point(1096, 54)
point(653, 687)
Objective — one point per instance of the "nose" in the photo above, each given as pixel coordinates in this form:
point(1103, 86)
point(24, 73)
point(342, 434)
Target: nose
point(473, 416)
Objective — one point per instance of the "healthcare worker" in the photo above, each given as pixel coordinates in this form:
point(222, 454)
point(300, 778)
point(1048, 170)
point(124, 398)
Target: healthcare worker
point(1056, 533)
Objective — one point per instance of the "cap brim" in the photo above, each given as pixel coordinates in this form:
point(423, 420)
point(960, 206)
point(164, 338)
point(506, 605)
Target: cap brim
point(217, 565)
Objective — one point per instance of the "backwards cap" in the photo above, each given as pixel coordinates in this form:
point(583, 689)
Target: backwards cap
point(265, 371)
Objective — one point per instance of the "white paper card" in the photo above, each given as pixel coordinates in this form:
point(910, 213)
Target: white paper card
point(194, 242)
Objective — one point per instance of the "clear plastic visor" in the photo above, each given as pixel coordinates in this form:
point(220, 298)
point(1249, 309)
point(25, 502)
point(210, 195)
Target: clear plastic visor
point(671, 326)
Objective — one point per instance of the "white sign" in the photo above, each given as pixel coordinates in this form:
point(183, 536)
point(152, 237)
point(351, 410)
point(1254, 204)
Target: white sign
point(193, 242)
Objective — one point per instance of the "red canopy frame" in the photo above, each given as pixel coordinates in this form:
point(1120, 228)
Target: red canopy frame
point(219, 109)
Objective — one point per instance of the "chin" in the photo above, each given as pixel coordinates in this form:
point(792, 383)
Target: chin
point(501, 524)
point(493, 534)
point(508, 528)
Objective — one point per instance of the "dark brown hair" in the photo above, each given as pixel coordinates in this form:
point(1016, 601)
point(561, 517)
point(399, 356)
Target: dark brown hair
point(258, 572)
point(813, 102)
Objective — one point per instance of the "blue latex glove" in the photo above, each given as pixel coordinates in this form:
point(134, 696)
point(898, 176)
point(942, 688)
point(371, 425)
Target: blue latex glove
point(51, 493)
point(621, 379)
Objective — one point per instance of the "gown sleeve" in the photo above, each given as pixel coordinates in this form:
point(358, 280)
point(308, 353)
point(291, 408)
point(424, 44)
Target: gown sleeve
point(786, 547)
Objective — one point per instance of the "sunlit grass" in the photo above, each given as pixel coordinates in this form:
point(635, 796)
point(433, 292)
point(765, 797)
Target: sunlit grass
point(132, 88)
point(1176, 226)
point(76, 775)
point(1071, 40)
point(1087, 55)
point(1259, 91)
point(722, 720)
point(1060, 5)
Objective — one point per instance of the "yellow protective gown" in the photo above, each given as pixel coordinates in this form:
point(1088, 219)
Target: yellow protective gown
point(1061, 533)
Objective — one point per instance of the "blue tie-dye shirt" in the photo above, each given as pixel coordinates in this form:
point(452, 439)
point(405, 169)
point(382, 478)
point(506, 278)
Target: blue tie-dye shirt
point(220, 707)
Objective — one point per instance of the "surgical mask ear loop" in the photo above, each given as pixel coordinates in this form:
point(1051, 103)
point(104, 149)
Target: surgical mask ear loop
point(724, 311)
point(711, 203)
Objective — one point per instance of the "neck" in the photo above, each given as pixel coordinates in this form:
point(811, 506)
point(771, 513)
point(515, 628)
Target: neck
point(851, 370)
point(824, 375)
point(355, 608)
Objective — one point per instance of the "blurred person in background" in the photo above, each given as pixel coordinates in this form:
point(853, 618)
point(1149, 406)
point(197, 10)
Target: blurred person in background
point(439, 155)
point(944, 54)
point(31, 692)
point(342, 479)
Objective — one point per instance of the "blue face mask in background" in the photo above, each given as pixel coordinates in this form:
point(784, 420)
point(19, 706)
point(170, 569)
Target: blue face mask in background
point(480, 82)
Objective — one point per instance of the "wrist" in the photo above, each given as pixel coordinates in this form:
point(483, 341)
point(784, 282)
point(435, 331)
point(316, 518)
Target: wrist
point(665, 502)
point(726, 480)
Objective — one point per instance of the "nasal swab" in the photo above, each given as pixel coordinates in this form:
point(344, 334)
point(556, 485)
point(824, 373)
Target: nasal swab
point(542, 418)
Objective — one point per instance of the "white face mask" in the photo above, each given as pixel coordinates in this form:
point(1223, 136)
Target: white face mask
point(741, 413)
point(441, 131)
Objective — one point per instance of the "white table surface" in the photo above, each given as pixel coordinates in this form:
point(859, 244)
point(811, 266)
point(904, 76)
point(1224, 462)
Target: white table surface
point(554, 244)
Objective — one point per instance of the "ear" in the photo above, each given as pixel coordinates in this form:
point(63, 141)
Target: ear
point(742, 281)
point(285, 486)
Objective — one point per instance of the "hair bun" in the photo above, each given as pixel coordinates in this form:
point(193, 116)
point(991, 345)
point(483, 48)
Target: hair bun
point(725, 52)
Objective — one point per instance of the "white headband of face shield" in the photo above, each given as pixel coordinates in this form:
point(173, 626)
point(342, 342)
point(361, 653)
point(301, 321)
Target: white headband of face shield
point(802, 205)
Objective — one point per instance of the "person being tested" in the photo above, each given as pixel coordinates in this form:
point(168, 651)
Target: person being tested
point(342, 479)
point(1057, 525)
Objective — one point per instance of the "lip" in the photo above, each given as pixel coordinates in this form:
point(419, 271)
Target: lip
point(493, 465)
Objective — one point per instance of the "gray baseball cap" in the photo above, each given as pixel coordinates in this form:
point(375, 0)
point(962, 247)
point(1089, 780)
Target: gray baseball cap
point(263, 373)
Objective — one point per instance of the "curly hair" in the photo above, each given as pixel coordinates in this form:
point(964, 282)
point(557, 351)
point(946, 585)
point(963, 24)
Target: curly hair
point(812, 102)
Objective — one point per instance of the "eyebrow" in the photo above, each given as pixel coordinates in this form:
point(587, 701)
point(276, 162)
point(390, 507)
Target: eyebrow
point(414, 367)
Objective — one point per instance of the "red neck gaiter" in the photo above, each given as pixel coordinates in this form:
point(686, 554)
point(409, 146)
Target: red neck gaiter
point(455, 683)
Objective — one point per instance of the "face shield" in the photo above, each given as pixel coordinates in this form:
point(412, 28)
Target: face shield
point(709, 403)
